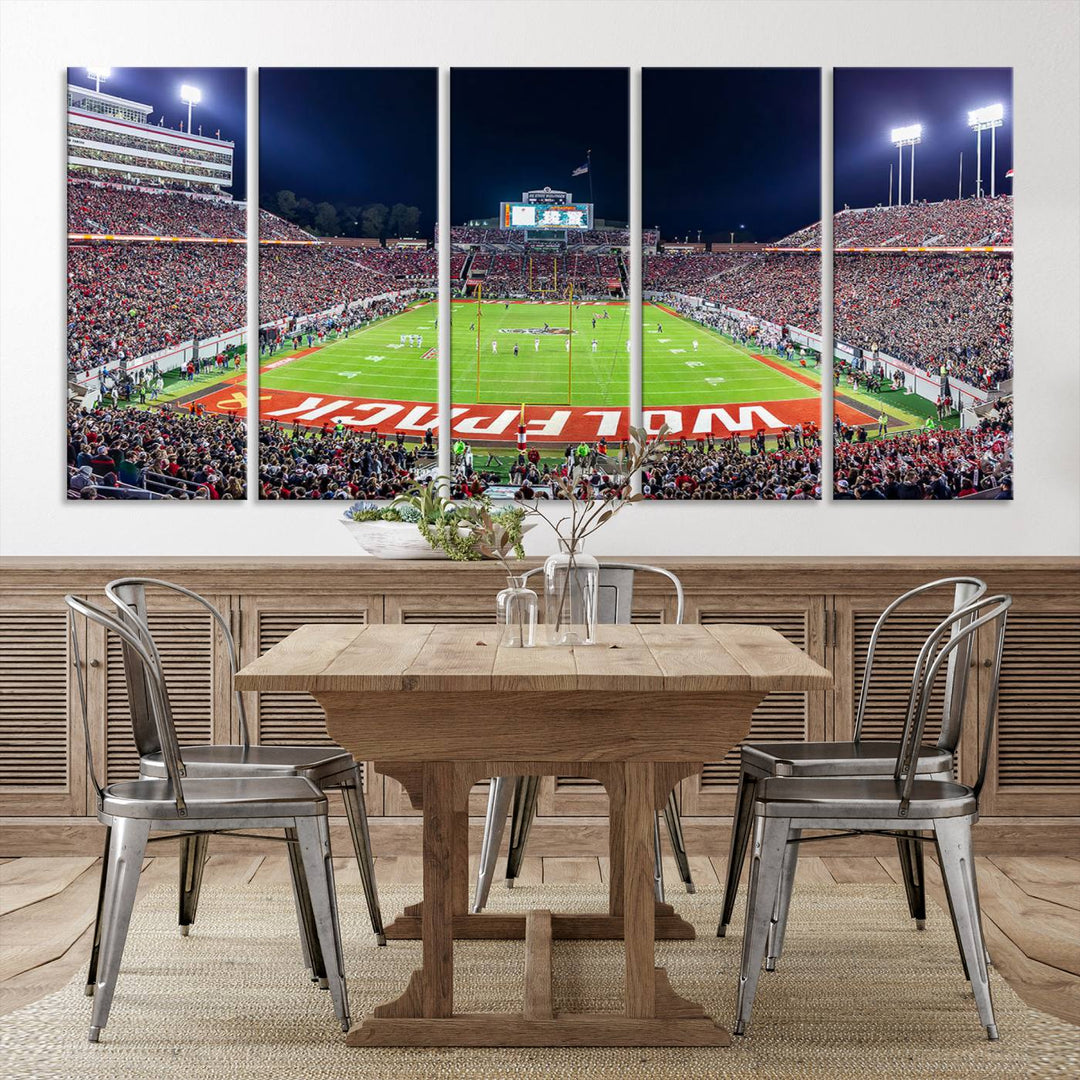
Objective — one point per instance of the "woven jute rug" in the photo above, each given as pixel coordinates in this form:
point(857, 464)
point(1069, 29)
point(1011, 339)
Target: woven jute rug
point(859, 994)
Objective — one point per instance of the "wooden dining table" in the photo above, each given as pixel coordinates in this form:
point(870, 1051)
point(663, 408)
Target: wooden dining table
point(441, 707)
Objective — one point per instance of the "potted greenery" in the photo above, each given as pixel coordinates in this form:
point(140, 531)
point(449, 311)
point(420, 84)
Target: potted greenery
point(424, 524)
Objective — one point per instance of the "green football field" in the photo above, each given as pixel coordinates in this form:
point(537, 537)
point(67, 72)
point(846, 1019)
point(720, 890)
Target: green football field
point(369, 363)
point(544, 372)
point(376, 363)
point(717, 371)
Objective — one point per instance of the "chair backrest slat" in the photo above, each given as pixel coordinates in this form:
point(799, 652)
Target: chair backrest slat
point(132, 612)
point(944, 643)
point(615, 600)
point(147, 674)
point(129, 597)
point(965, 591)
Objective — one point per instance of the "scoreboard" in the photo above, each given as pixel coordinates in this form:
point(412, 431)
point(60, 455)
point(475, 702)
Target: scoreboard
point(540, 216)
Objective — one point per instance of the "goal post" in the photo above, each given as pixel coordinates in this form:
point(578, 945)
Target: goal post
point(494, 383)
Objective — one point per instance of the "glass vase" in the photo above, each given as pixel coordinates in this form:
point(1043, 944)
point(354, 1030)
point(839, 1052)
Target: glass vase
point(571, 585)
point(515, 609)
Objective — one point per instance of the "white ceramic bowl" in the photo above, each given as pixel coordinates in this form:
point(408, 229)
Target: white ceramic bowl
point(392, 540)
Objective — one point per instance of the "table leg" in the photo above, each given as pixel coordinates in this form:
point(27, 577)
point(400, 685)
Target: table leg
point(639, 902)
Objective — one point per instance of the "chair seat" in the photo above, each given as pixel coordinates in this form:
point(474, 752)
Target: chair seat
point(863, 758)
point(847, 797)
point(222, 797)
point(224, 759)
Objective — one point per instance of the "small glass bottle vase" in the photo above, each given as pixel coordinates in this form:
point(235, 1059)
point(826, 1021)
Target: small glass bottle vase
point(571, 586)
point(515, 609)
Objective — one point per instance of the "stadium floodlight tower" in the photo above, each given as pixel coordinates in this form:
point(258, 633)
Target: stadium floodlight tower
point(190, 96)
point(99, 75)
point(988, 118)
point(901, 137)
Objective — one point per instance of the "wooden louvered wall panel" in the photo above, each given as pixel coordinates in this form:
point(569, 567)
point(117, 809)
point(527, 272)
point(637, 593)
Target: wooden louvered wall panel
point(34, 700)
point(291, 718)
point(1038, 725)
point(781, 717)
point(895, 654)
point(186, 642)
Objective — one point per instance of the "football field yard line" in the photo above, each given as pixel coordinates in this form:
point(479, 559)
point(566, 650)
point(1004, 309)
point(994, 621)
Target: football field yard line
point(341, 369)
point(724, 373)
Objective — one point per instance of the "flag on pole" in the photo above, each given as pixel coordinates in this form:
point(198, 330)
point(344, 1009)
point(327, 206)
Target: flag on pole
point(581, 170)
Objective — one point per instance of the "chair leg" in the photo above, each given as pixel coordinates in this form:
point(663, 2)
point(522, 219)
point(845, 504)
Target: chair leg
point(783, 900)
point(741, 826)
point(356, 814)
point(526, 791)
point(911, 866)
point(956, 929)
point(313, 834)
point(192, 862)
point(766, 865)
point(95, 949)
point(678, 844)
point(658, 862)
point(126, 850)
point(309, 943)
point(500, 793)
point(953, 838)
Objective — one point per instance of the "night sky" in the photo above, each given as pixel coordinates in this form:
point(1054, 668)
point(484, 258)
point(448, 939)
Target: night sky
point(351, 135)
point(870, 102)
point(514, 129)
point(724, 148)
point(223, 105)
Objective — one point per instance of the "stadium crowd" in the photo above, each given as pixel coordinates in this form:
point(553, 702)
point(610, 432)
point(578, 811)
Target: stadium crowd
point(784, 289)
point(951, 223)
point(774, 467)
point(113, 209)
point(539, 275)
point(272, 227)
point(931, 463)
point(304, 280)
point(331, 463)
point(929, 310)
point(126, 300)
point(134, 453)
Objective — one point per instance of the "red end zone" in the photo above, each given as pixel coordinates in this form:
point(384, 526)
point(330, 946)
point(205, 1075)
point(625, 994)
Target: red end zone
point(544, 423)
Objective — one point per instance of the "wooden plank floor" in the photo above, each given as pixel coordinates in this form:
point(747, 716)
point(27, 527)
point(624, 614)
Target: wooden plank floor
point(1031, 910)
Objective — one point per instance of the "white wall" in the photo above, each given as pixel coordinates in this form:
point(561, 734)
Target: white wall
point(1039, 39)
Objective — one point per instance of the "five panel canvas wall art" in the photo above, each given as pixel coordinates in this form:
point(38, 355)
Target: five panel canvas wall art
point(540, 270)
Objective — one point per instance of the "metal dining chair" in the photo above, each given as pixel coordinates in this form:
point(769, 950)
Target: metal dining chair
point(859, 757)
point(178, 805)
point(519, 793)
point(327, 767)
point(901, 805)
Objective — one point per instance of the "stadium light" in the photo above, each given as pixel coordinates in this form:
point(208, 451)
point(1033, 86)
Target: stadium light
point(98, 74)
point(911, 135)
point(190, 95)
point(988, 118)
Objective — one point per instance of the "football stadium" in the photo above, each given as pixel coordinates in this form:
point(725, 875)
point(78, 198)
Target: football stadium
point(156, 295)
